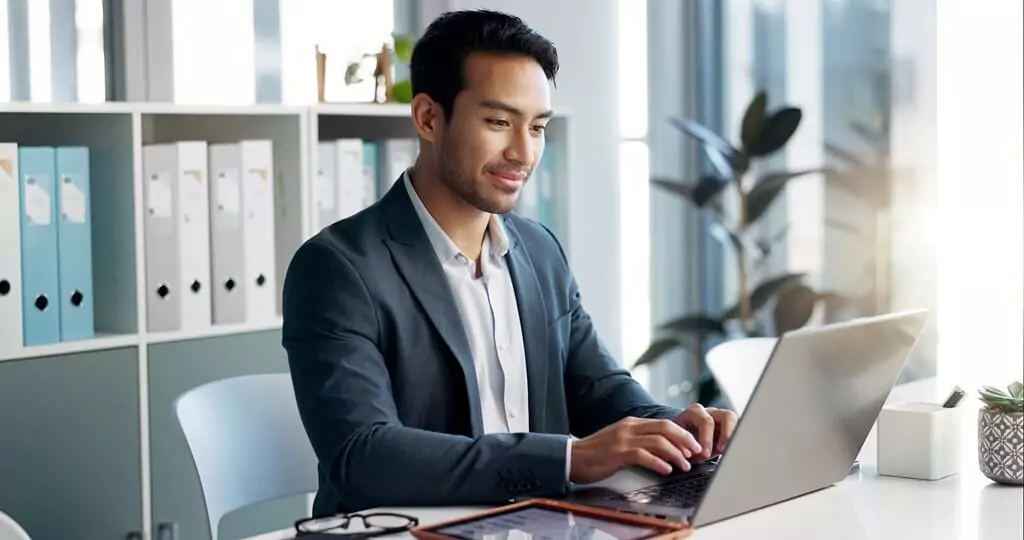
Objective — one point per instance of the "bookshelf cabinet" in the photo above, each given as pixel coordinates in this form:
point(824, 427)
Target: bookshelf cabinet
point(89, 444)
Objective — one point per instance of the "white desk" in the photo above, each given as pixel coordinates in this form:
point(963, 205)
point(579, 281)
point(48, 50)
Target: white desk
point(865, 505)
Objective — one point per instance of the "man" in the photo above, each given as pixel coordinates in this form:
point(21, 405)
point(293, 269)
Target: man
point(438, 345)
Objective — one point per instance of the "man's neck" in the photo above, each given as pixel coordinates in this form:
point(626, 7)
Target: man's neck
point(464, 224)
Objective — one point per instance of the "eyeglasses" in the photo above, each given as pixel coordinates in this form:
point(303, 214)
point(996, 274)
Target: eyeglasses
point(375, 524)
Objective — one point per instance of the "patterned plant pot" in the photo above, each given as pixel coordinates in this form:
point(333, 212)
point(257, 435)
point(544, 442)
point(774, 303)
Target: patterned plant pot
point(1001, 446)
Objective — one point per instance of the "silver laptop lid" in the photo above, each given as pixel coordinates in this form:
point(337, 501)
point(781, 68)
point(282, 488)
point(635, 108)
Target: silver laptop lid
point(814, 405)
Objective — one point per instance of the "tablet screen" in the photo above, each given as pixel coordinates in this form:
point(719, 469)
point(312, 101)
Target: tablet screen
point(545, 524)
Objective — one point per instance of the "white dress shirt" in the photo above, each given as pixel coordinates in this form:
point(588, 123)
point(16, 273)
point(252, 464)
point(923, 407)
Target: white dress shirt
point(490, 317)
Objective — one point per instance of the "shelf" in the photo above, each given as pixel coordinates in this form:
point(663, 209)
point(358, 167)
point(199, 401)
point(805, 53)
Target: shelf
point(102, 342)
point(67, 108)
point(383, 110)
point(214, 110)
point(115, 134)
point(213, 331)
point(147, 108)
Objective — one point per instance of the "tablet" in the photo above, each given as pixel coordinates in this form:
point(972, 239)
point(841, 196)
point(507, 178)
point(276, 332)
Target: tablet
point(548, 519)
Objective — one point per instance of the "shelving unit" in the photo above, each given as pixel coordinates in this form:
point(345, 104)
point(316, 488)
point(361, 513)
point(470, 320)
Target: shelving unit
point(114, 393)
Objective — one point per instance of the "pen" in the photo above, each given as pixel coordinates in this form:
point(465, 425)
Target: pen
point(954, 398)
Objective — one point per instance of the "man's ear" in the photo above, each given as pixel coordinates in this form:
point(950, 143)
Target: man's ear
point(427, 117)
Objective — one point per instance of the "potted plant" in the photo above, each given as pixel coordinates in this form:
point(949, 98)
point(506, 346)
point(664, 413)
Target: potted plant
point(1001, 434)
point(773, 304)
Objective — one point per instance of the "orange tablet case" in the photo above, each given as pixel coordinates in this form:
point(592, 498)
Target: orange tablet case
point(666, 529)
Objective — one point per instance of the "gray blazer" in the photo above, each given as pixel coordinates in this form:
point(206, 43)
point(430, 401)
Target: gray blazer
point(385, 381)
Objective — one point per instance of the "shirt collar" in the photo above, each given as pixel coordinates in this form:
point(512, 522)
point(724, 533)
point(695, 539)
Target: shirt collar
point(443, 245)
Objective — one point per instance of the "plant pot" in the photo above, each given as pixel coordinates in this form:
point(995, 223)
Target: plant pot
point(1001, 446)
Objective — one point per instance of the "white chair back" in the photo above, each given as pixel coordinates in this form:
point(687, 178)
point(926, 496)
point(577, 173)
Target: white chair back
point(737, 365)
point(10, 530)
point(247, 441)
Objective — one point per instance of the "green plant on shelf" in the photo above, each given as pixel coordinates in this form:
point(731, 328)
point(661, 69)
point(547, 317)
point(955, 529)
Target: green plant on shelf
point(386, 89)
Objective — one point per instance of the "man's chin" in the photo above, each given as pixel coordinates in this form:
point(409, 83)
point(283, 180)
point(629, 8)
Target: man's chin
point(493, 206)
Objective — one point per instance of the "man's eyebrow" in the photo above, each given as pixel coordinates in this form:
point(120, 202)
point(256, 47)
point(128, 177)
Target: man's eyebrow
point(502, 106)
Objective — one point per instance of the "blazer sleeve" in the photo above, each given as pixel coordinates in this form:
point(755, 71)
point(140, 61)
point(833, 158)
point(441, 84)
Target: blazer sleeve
point(599, 391)
point(344, 398)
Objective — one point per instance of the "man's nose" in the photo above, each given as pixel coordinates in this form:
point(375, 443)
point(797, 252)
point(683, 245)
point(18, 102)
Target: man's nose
point(520, 147)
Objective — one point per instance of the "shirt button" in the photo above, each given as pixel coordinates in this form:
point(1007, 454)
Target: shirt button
point(501, 347)
point(512, 413)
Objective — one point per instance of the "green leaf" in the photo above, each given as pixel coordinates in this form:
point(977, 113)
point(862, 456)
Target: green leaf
point(1016, 389)
point(655, 351)
point(675, 186)
point(703, 134)
point(765, 292)
point(403, 47)
point(778, 129)
point(767, 188)
point(707, 188)
point(753, 121)
point(401, 91)
point(794, 308)
point(352, 74)
point(694, 324)
point(995, 391)
point(720, 162)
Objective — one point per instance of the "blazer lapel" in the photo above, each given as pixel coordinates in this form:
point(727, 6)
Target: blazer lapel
point(416, 260)
point(533, 319)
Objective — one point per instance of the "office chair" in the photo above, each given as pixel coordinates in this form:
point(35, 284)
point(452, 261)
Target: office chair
point(10, 530)
point(247, 442)
point(737, 366)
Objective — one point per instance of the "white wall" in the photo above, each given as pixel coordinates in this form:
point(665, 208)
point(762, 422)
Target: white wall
point(585, 33)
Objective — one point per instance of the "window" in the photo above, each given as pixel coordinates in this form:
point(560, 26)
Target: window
point(5, 55)
point(52, 50)
point(862, 72)
point(222, 49)
point(634, 192)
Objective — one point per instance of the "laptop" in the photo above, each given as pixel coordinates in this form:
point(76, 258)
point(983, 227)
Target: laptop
point(808, 417)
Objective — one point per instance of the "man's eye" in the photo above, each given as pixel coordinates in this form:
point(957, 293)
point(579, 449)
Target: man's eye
point(540, 129)
point(498, 122)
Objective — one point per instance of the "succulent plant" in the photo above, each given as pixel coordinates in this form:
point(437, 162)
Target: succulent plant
point(1010, 400)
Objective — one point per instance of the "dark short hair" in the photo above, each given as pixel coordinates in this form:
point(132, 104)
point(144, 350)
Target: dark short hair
point(440, 53)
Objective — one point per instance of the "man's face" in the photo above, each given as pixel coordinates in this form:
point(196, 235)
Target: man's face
point(489, 148)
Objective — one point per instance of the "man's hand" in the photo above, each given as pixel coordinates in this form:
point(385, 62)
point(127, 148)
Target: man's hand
point(655, 444)
point(713, 428)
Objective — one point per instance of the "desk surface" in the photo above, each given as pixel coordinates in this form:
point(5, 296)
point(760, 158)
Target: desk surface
point(865, 505)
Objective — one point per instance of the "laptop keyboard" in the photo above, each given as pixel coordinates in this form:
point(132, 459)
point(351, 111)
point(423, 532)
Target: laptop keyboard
point(681, 493)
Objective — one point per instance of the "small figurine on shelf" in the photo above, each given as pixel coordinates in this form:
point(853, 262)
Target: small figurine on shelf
point(383, 78)
point(321, 74)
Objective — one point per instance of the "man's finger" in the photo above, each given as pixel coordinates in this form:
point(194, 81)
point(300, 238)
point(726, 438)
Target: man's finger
point(662, 448)
point(699, 419)
point(726, 421)
point(674, 432)
point(643, 458)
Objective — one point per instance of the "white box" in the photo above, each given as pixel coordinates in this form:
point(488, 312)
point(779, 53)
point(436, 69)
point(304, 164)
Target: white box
point(919, 440)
